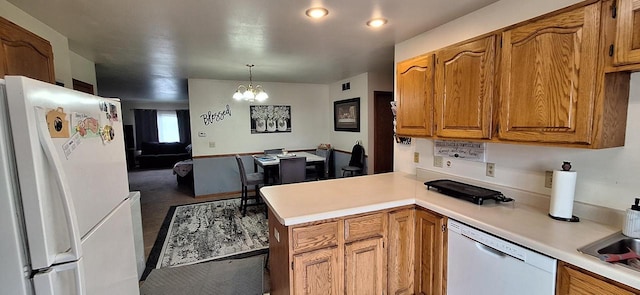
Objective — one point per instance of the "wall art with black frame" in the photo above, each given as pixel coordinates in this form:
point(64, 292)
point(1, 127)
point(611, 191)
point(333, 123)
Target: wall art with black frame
point(270, 119)
point(346, 115)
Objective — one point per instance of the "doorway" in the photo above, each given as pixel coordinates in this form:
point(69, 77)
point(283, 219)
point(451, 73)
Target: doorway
point(383, 132)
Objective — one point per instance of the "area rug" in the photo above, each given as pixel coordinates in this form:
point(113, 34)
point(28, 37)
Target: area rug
point(213, 230)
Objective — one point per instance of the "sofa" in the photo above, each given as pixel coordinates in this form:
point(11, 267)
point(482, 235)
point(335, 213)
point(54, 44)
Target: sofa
point(162, 154)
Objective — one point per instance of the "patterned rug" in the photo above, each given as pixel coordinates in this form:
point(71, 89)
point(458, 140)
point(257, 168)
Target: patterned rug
point(213, 230)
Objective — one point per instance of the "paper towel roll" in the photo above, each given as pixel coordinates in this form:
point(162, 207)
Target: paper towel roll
point(562, 193)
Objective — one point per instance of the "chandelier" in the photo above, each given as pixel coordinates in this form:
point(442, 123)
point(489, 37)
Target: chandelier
point(250, 93)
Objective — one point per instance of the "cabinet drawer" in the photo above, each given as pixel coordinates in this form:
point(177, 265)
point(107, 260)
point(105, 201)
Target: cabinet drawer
point(315, 236)
point(364, 227)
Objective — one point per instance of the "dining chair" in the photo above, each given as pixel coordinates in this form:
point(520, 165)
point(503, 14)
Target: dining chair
point(356, 162)
point(293, 169)
point(273, 151)
point(327, 154)
point(249, 179)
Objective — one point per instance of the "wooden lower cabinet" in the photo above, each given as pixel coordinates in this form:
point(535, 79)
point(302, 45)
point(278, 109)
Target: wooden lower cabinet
point(316, 272)
point(364, 267)
point(376, 253)
point(430, 239)
point(573, 280)
point(338, 256)
point(400, 252)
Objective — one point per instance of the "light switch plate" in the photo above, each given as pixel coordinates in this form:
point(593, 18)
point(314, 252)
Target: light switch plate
point(437, 161)
point(212, 144)
point(548, 179)
point(491, 170)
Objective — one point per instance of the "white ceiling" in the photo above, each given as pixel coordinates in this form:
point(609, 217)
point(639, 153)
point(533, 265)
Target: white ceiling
point(146, 49)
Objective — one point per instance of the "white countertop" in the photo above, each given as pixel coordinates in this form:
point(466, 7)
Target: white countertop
point(528, 226)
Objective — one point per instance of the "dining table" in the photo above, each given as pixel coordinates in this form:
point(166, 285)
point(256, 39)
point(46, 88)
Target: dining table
point(270, 163)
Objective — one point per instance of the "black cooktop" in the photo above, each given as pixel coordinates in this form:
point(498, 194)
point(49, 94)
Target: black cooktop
point(471, 193)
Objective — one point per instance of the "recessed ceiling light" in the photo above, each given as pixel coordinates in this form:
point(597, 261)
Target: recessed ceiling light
point(316, 12)
point(377, 22)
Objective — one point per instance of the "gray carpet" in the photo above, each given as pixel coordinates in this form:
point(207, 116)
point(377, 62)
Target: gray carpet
point(236, 276)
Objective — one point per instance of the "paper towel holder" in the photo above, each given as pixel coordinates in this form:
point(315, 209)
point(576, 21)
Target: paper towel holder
point(566, 166)
point(572, 219)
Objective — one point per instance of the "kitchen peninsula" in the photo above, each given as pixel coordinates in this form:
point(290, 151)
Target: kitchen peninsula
point(359, 233)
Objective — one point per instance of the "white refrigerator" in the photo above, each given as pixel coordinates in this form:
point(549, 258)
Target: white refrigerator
point(65, 212)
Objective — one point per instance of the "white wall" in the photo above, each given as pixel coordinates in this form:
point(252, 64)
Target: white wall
point(59, 43)
point(309, 120)
point(84, 70)
point(344, 140)
point(605, 177)
point(362, 86)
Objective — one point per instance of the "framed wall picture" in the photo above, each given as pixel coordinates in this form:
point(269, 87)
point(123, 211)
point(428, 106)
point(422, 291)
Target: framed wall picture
point(270, 119)
point(346, 115)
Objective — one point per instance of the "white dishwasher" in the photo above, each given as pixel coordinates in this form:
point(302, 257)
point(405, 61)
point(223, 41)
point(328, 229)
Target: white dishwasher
point(482, 264)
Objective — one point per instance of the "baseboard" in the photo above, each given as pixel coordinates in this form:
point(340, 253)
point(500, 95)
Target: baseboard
point(219, 195)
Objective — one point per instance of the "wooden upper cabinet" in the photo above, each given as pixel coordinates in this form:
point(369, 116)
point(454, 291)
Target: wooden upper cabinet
point(548, 78)
point(627, 46)
point(24, 53)
point(415, 97)
point(464, 87)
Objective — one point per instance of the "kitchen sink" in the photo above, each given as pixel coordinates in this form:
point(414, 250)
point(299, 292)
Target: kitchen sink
point(613, 244)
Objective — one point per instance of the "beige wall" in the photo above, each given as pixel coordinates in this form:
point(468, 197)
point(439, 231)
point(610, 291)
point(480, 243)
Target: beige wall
point(605, 177)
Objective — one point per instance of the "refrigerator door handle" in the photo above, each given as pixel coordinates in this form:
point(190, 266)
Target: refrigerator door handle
point(45, 282)
point(70, 212)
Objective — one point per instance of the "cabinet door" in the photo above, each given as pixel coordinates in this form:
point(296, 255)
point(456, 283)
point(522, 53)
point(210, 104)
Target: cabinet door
point(548, 78)
point(316, 272)
point(628, 32)
point(364, 267)
point(464, 89)
point(414, 116)
point(24, 53)
point(572, 281)
point(401, 254)
point(430, 253)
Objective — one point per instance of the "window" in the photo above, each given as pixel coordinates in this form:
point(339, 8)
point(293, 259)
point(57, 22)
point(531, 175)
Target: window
point(168, 126)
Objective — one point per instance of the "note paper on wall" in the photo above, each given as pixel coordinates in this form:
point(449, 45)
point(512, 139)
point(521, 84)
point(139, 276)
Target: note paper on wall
point(465, 150)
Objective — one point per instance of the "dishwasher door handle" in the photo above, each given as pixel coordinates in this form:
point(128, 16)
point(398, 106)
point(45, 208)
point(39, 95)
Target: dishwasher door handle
point(489, 250)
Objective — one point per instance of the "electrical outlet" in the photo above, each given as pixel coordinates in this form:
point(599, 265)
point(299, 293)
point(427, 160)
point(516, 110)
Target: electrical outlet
point(437, 161)
point(212, 144)
point(416, 157)
point(548, 178)
point(491, 170)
